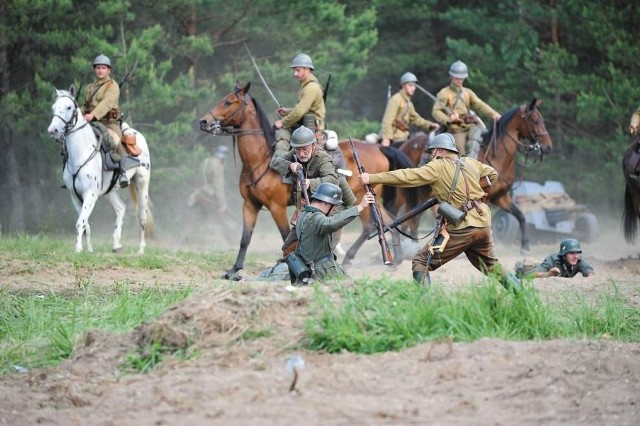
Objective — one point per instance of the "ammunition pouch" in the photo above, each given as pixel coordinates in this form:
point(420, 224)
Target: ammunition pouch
point(449, 212)
point(400, 125)
point(113, 114)
point(298, 270)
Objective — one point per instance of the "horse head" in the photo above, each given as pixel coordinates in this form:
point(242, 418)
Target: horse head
point(65, 113)
point(534, 129)
point(228, 112)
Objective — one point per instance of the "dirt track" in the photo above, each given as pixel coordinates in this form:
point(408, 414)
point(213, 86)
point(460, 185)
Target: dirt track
point(245, 381)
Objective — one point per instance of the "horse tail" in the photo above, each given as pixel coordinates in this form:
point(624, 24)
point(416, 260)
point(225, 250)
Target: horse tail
point(150, 225)
point(398, 160)
point(629, 217)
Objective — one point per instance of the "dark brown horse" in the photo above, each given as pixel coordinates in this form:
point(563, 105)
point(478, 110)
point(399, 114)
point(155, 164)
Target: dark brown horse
point(631, 172)
point(239, 115)
point(519, 130)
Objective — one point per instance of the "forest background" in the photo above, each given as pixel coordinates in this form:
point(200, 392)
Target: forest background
point(581, 57)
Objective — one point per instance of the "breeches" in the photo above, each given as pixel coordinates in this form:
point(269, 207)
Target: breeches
point(475, 243)
point(461, 141)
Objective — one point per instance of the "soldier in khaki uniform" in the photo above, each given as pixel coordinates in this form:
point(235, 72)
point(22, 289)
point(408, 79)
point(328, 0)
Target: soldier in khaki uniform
point(453, 109)
point(318, 167)
point(400, 113)
point(472, 236)
point(101, 104)
point(635, 122)
point(309, 111)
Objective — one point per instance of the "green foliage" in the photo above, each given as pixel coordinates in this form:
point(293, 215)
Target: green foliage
point(381, 315)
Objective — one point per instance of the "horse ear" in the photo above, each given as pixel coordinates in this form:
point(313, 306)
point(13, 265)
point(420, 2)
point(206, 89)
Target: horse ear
point(533, 103)
point(539, 103)
point(245, 89)
point(72, 90)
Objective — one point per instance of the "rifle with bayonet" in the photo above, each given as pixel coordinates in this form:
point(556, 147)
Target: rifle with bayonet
point(376, 214)
point(405, 217)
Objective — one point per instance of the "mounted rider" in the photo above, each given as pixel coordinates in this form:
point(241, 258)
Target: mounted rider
point(454, 108)
point(101, 105)
point(309, 111)
point(400, 113)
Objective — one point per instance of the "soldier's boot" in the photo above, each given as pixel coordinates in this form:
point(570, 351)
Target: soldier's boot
point(419, 278)
point(124, 179)
point(511, 282)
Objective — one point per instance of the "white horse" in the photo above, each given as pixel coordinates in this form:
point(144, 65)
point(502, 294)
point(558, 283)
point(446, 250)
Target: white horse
point(85, 177)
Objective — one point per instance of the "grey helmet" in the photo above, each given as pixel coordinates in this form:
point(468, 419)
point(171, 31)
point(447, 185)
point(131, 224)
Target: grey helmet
point(444, 141)
point(302, 136)
point(408, 77)
point(302, 60)
point(459, 70)
point(221, 151)
point(102, 60)
point(570, 245)
point(329, 193)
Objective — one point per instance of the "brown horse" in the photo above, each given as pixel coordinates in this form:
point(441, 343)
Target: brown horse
point(239, 115)
point(631, 172)
point(521, 129)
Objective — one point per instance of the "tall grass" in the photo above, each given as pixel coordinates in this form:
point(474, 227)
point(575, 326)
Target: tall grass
point(42, 329)
point(382, 315)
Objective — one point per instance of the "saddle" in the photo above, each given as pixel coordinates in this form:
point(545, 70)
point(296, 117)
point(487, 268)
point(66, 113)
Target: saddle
point(110, 158)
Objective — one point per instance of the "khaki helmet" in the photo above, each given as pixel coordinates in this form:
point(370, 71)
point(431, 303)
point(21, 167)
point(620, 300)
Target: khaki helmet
point(302, 61)
point(444, 141)
point(302, 136)
point(331, 142)
point(328, 192)
point(459, 70)
point(570, 245)
point(408, 77)
point(102, 60)
point(221, 151)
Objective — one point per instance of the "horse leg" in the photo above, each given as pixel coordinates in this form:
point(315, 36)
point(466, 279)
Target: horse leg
point(140, 195)
point(249, 216)
point(524, 234)
point(84, 210)
point(120, 208)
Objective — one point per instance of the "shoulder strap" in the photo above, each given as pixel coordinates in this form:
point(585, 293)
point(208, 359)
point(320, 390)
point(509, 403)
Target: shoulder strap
point(456, 175)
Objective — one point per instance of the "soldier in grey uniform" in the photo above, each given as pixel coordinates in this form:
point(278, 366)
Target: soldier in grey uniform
point(316, 225)
point(566, 264)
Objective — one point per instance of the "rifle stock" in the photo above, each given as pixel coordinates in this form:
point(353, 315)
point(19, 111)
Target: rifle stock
point(303, 185)
point(408, 215)
point(375, 211)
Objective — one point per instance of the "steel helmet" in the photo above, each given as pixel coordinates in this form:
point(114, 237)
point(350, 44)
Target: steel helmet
point(408, 77)
point(102, 60)
point(570, 245)
point(444, 141)
point(329, 193)
point(332, 140)
point(302, 136)
point(302, 61)
point(221, 151)
point(459, 70)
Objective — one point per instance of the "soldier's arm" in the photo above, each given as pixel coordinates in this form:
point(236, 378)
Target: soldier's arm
point(439, 111)
point(490, 172)
point(307, 96)
point(415, 118)
point(481, 107)
point(281, 163)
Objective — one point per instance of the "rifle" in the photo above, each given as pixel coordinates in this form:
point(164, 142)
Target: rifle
point(375, 212)
point(303, 187)
point(408, 215)
point(439, 241)
point(326, 89)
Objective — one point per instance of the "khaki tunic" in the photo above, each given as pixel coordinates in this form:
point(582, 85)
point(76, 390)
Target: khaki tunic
point(101, 97)
point(310, 101)
point(468, 100)
point(439, 174)
point(400, 107)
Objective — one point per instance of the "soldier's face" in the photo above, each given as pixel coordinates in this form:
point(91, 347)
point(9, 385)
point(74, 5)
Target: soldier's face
point(457, 81)
point(409, 88)
point(101, 71)
point(300, 73)
point(305, 153)
point(572, 258)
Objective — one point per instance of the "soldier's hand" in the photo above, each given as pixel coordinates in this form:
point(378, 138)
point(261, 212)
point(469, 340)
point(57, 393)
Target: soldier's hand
point(554, 272)
point(278, 124)
point(89, 117)
point(367, 199)
point(294, 167)
point(363, 178)
point(282, 111)
point(633, 129)
point(454, 117)
point(434, 126)
point(385, 142)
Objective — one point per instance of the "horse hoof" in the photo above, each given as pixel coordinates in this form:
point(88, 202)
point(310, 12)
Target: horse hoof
point(116, 249)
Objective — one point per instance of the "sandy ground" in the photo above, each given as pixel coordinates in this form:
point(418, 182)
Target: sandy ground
point(239, 381)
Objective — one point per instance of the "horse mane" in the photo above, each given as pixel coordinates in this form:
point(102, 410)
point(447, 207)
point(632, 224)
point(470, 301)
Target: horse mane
point(269, 133)
point(500, 127)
